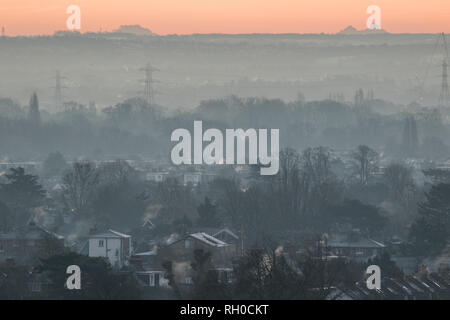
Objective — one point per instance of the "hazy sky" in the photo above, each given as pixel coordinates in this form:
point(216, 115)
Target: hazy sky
point(225, 16)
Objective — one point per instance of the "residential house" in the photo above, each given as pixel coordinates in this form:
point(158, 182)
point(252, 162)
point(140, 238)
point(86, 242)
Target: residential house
point(426, 287)
point(223, 234)
point(196, 177)
point(182, 251)
point(226, 235)
point(113, 245)
point(158, 176)
point(357, 248)
point(193, 178)
point(28, 243)
point(148, 268)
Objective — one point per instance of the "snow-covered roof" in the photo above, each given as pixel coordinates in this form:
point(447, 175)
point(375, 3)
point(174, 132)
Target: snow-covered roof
point(146, 253)
point(361, 243)
point(30, 232)
point(148, 224)
point(209, 240)
point(110, 234)
point(226, 230)
point(81, 247)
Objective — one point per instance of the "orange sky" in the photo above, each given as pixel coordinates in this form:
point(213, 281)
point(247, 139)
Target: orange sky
point(31, 17)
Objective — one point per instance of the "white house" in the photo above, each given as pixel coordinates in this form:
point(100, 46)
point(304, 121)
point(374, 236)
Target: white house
point(193, 178)
point(113, 245)
point(156, 176)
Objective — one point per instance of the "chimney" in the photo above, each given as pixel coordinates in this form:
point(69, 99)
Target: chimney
point(93, 230)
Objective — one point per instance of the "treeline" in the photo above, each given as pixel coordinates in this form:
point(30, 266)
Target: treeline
point(132, 128)
point(314, 191)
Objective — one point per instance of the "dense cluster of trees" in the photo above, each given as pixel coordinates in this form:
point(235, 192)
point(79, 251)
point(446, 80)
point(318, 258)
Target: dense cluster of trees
point(100, 282)
point(312, 193)
point(267, 273)
point(107, 195)
point(431, 229)
point(133, 128)
point(18, 196)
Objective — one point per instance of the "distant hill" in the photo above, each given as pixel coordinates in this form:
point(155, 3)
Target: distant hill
point(350, 30)
point(134, 29)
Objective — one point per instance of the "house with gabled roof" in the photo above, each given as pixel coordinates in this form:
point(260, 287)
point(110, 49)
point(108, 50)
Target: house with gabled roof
point(28, 243)
point(181, 253)
point(113, 245)
point(226, 235)
point(357, 248)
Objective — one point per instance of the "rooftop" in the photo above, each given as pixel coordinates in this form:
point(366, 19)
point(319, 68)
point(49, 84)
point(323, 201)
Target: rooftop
point(360, 243)
point(29, 232)
point(209, 240)
point(110, 234)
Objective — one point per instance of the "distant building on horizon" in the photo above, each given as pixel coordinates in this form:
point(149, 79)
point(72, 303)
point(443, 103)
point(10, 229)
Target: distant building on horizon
point(350, 30)
point(134, 29)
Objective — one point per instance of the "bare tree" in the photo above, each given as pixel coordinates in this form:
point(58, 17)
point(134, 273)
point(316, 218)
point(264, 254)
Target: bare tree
point(79, 185)
point(231, 197)
point(402, 189)
point(316, 164)
point(398, 178)
point(176, 200)
point(365, 159)
point(118, 172)
point(318, 183)
point(289, 183)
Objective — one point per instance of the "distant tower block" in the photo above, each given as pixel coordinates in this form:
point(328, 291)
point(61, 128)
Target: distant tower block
point(3, 31)
point(149, 93)
point(444, 98)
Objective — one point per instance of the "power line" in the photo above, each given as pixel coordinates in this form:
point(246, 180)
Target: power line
point(444, 97)
point(149, 92)
point(440, 46)
point(58, 90)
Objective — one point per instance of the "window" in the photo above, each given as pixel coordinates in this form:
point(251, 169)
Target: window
point(188, 244)
point(101, 243)
point(151, 280)
point(188, 280)
point(35, 287)
point(156, 280)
